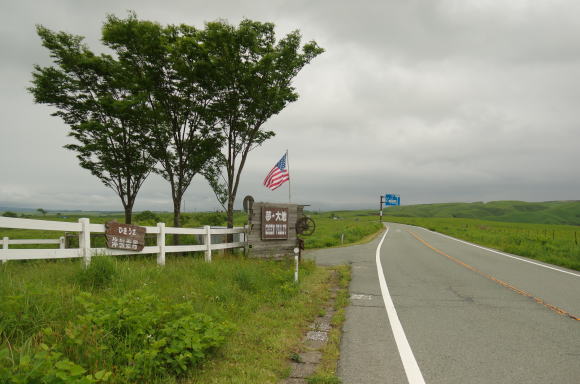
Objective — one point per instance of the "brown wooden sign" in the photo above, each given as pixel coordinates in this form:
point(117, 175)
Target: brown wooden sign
point(274, 223)
point(124, 236)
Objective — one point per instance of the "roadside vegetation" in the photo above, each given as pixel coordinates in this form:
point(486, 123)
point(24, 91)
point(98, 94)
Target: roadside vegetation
point(554, 244)
point(230, 321)
point(127, 320)
point(548, 212)
point(332, 228)
point(340, 228)
point(124, 319)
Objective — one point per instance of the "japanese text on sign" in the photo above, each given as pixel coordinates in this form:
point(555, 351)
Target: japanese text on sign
point(125, 236)
point(274, 223)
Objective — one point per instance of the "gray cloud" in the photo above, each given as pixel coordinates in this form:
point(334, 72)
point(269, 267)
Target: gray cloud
point(450, 100)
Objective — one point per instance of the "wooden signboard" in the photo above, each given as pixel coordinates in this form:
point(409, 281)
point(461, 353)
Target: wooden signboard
point(125, 236)
point(274, 223)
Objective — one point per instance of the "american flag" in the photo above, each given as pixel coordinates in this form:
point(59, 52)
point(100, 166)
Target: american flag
point(278, 175)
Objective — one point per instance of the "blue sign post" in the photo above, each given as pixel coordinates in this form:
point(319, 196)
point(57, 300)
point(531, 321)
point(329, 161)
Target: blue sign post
point(390, 199)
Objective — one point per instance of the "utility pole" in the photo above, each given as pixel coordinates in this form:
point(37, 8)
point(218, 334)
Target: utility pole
point(381, 209)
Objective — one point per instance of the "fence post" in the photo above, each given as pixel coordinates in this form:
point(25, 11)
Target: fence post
point(5, 246)
point(61, 242)
point(296, 262)
point(246, 242)
point(161, 244)
point(208, 243)
point(85, 241)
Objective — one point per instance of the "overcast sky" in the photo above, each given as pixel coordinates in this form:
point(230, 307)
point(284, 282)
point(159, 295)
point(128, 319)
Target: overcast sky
point(439, 101)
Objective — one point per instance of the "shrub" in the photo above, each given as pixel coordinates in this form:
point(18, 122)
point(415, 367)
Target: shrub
point(9, 214)
point(246, 280)
point(99, 274)
point(212, 218)
point(147, 337)
point(27, 311)
point(44, 366)
point(147, 216)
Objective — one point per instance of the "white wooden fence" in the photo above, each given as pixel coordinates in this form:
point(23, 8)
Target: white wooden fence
point(85, 228)
point(6, 242)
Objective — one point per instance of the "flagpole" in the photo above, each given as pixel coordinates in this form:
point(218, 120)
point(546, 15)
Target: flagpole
point(289, 179)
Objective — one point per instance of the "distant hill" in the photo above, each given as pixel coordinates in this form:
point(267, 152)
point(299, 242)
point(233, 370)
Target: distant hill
point(549, 212)
point(17, 209)
point(34, 210)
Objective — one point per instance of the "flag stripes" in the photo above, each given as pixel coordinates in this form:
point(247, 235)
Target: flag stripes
point(278, 175)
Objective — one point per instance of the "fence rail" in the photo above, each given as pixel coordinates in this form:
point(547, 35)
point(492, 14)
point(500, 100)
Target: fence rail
point(85, 251)
point(7, 241)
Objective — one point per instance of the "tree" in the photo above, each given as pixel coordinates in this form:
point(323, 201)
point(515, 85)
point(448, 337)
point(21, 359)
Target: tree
point(41, 211)
point(147, 216)
point(169, 67)
point(96, 97)
point(252, 76)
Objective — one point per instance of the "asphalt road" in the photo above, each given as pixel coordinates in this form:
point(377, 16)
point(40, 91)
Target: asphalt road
point(469, 315)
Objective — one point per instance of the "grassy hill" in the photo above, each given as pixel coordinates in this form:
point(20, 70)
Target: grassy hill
point(549, 212)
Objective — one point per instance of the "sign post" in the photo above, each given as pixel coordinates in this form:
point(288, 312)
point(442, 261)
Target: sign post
point(274, 223)
point(296, 262)
point(124, 236)
point(390, 199)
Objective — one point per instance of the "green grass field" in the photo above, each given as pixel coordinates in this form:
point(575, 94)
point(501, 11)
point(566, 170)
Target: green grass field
point(127, 320)
point(555, 244)
point(550, 212)
point(342, 228)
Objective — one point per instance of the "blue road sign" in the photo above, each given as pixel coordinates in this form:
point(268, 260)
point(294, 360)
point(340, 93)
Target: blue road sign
point(392, 199)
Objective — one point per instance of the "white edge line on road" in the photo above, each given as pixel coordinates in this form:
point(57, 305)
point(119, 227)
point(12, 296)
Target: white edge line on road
point(412, 370)
point(503, 253)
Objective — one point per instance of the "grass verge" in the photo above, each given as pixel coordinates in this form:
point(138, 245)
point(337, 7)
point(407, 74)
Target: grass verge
point(258, 353)
point(247, 315)
point(554, 244)
point(346, 228)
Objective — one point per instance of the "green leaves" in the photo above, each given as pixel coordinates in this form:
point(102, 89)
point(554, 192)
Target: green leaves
point(171, 99)
point(96, 96)
point(252, 75)
point(142, 336)
point(150, 338)
point(168, 69)
point(45, 366)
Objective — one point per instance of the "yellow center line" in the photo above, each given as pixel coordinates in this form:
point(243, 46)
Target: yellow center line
point(500, 282)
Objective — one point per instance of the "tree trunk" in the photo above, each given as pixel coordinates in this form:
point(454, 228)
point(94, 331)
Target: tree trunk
point(176, 218)
point(230, 218)
point(230, 213)
point(128, 213)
